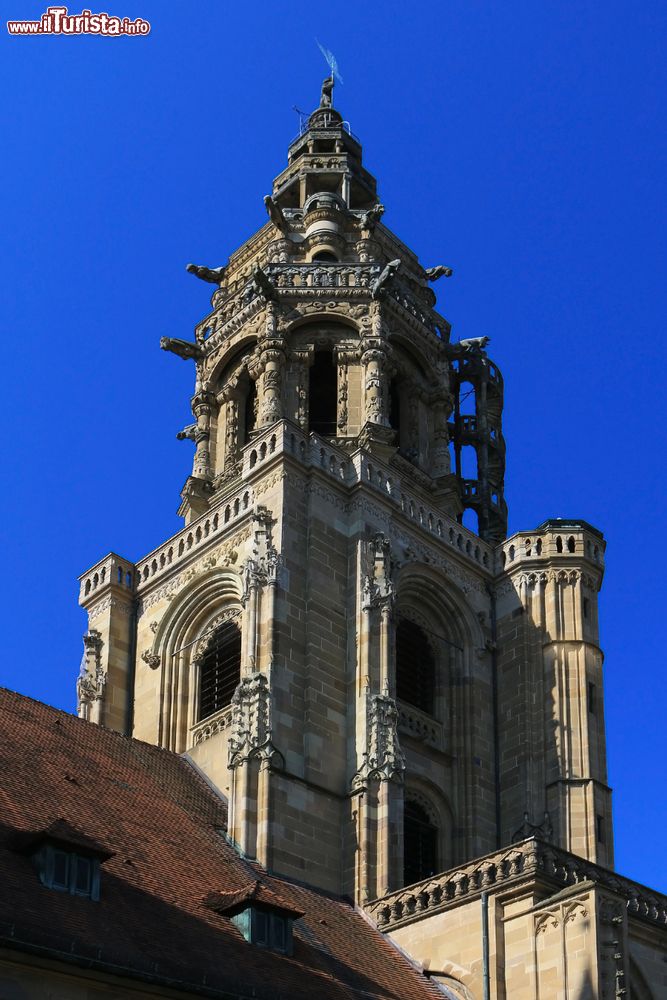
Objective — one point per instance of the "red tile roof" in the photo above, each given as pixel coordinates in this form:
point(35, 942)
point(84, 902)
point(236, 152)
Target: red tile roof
point(232, 902)
point(161, 826)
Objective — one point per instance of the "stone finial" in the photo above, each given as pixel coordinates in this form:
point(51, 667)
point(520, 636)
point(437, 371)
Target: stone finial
point(92, 678)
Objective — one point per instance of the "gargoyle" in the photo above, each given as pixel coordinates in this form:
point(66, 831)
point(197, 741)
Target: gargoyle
point(378, 287)
point(370, 219)
point(433, 273)
point(262, 284)
point(275, 214)
point(473, 344)
point(183, 348)
point(188, 433)
point(213, 275)
point(193, 432)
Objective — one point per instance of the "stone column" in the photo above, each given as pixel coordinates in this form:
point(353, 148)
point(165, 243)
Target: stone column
point(367, 249)
point(343, 392)
point(368, 827)
point(202, 406)
point(272, 364)
point(375, 385)
point(300, 362)
point(441, 407)
point(264, 812)
point(280, 251)
point(231, 397)
point(273, 564)
point(389, 836)
point(251, 585)
point(386, 681)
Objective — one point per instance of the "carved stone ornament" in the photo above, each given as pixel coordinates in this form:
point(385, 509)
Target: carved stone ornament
point(378, 588)
point(543, 830)
point(384, 758)
point(92, 677)
point(263, 566)
point(151, 658)
point(251, 721)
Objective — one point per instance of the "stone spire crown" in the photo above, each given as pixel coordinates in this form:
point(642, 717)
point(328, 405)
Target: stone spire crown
point(325, 158)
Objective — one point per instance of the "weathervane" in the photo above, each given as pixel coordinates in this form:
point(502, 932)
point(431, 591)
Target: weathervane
point(326, 100)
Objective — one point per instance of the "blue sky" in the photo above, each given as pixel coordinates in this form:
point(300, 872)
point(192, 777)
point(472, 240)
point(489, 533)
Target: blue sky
point(523, 144)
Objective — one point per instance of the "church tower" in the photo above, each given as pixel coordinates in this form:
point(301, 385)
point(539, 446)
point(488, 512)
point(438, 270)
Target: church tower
point(380, 692)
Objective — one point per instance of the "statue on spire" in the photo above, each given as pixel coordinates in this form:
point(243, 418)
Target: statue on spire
point(326, 98)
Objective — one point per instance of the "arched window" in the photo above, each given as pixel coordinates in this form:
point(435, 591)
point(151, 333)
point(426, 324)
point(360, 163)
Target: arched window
point(415, 667)
point(420, 844)
point(323, 394)
point(220, 669)
point(325, 257)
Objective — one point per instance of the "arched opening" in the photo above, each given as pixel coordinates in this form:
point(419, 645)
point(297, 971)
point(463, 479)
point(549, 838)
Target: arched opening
point(220, 669)
point(469, 462)
point(415, 667)
point(325, 257)
point(466, 401)
point(420, 844)
point(323, 394)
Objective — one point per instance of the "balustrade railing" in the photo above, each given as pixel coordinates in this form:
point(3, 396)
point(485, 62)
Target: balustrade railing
point(207, 728)
point(530, 858)
point(323, 276)
point(309, 450)
point(420, 726)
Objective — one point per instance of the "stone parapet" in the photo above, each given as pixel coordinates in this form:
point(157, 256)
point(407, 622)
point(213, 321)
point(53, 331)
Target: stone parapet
point(530, 859)
point(236, 503)
point(555, 539)
point(113, 573)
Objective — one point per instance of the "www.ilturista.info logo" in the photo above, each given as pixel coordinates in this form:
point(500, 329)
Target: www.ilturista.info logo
point(57, 21)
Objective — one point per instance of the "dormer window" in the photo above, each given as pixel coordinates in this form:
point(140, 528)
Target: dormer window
point(262, 917)
point(68, 871)
point(266, 928)
point(66, 859)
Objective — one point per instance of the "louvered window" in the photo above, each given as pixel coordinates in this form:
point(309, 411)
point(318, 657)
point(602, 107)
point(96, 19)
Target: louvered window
point(415, 667)
point(420, 840)
point(220, 669)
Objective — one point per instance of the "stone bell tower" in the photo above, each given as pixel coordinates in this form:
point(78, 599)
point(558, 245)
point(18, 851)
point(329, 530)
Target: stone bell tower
point(380, 692)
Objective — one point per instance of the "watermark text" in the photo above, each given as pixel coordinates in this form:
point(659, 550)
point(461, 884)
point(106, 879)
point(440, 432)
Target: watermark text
point(58, 21)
